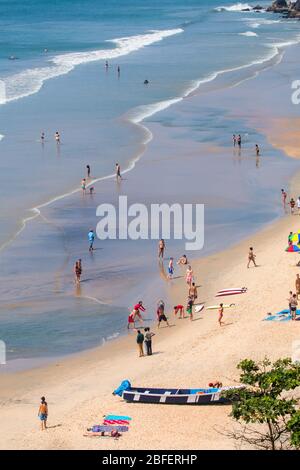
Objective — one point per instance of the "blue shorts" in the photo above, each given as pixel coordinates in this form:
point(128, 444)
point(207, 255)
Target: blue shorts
point(43, 416)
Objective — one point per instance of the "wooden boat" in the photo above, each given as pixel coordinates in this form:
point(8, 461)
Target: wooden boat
point(174, 396)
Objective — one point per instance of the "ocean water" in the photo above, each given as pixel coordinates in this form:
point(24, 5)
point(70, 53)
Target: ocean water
point(53, 78)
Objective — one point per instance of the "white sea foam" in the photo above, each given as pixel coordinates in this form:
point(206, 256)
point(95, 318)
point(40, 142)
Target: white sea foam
point(30, 81)
point(1, 137)
point(249, 34)
point(261, 22)
point(236, 7)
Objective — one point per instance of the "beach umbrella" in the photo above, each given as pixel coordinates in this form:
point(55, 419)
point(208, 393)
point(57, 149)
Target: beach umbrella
point(296, 238)
point(293, 249)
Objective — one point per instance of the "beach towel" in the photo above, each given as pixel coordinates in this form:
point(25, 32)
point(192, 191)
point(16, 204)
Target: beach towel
point(104, 428)
point(126, 418)
point(284, 315)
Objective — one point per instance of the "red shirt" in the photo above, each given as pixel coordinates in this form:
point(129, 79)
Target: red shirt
point(138, 307)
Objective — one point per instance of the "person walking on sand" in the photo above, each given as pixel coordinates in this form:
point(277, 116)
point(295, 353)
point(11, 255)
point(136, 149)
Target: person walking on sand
point(251, 257)
point(179, 308)
point(57, 137)
point(118, 172)
point(140, 341)
point(221, 312)
point(161, 248)
point(189, 275)
point(83, 185)
point(78, 271)
point(257, 150)
point(297, 284)
point(189, 308)
point(171, 268)
point(283, 197)
point(293, 304)
point(148, 341)
point(289, 299)
point(88, 170)
point(91, 237)
point(292, 206)
point(43, 413)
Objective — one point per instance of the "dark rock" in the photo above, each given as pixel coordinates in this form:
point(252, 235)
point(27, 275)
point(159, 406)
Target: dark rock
point(258, 7)
point(279, 6)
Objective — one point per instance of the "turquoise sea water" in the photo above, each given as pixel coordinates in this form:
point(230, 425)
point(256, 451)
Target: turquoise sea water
point(58, 81)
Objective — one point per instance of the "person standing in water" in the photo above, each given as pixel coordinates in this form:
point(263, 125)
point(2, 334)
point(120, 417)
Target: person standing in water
point(83, 185)
point(57, 137)
point(88, 170)
point(118, 171)
point(78, 271)
point(234, 140)
point(91, 237)
point(239, 140)
point(251, 257)
point(171, 268)
point(257, 150)
point(161, 248)
point(119, 71)
point(283, 197)
point(43, 413)
point(43, 137)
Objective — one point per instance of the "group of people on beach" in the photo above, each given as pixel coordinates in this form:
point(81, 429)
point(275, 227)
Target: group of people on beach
point(237, 142)
point(293, 205)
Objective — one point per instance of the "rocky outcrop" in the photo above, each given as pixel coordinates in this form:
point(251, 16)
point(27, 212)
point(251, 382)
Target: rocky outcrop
point(289, 9)
point(279, 6)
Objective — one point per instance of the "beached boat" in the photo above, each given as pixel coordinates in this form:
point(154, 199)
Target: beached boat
point(174, 396)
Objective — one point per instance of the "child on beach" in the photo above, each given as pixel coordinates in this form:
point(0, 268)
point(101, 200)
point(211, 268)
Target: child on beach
point(83, 185)
point(189, 308)
point(43, 413)
point(148, 341)
point(171, 268)
point(221, 311)
point(251, 257)
point(140, 341)
point(179, 308)
point(189, 275)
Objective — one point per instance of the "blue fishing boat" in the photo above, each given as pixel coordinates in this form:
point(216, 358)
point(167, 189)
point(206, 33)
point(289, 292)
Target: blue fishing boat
point(173, 396)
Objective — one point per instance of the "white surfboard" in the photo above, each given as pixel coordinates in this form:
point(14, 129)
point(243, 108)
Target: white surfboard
point(233, 289)
point(199, 308)
point(215, 307)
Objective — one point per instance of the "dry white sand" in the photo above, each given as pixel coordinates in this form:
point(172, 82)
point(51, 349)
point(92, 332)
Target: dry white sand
point(190, 354)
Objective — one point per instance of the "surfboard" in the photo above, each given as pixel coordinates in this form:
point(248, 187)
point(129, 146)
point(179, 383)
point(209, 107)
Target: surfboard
point(199, 308)
point(235, 289)
point(233, 292)
point(215, 307)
